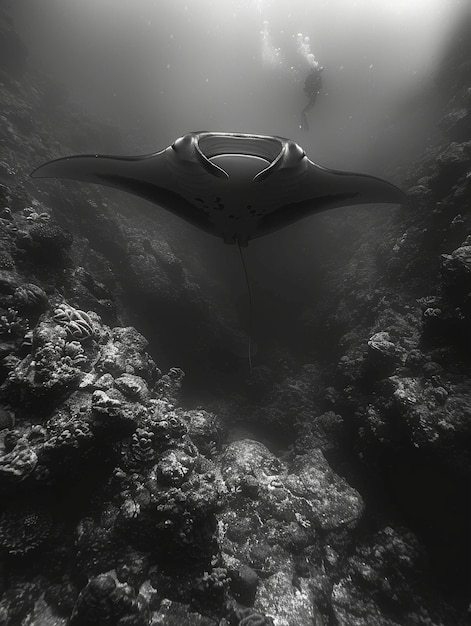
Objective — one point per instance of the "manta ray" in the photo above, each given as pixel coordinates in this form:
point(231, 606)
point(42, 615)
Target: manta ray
point(235, 186)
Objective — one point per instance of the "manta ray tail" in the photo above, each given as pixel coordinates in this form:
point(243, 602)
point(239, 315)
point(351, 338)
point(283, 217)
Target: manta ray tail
point(249, 293)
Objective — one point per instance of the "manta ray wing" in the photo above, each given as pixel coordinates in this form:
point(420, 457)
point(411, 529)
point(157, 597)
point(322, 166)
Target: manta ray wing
point(235, 186)
point(146, 176)
point(321, 189)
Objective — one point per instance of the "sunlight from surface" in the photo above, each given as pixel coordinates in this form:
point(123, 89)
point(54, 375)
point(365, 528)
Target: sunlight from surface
point(240, 65)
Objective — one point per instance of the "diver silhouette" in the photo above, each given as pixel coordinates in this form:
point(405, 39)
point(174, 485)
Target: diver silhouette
point(312, 86)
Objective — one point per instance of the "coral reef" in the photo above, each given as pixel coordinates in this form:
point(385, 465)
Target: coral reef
point(329, 489)
point(388, 571)
point(24, 528)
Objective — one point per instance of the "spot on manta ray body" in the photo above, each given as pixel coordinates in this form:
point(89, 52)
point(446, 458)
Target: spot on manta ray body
point(235, 186)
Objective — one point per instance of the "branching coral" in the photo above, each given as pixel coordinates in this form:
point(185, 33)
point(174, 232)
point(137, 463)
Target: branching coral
point(12, 324)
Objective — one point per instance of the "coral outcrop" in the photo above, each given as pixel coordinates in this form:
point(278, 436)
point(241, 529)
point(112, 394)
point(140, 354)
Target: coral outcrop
point(329, 488)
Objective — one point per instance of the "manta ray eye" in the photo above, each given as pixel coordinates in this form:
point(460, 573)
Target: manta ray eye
point(295, 152)
point(182, 143)
point(176, 142)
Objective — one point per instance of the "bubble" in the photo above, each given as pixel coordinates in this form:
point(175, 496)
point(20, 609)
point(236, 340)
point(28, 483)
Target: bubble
point(272, 55)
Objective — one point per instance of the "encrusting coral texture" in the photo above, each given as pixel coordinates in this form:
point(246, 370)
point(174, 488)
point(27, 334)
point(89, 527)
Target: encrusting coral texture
point(329, 489)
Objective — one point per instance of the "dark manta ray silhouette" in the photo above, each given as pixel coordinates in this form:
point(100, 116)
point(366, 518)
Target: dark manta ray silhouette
point(235, 186)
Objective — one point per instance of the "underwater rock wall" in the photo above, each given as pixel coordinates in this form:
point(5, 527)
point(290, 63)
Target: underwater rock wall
point(399, 312)
point(332, 493)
